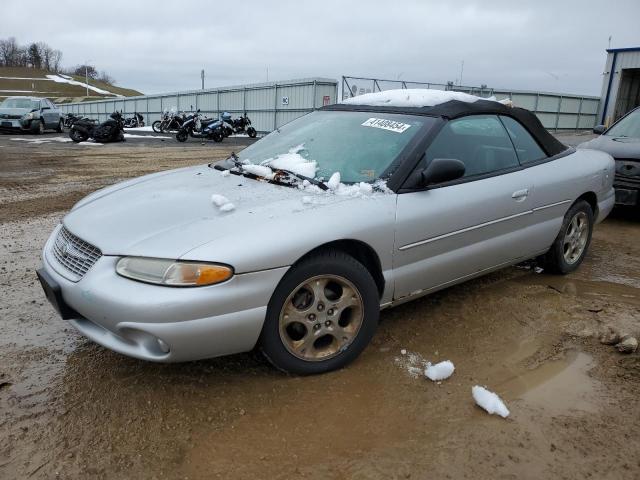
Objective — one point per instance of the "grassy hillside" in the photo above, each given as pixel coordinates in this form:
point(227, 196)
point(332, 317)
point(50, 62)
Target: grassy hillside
point(28, 81)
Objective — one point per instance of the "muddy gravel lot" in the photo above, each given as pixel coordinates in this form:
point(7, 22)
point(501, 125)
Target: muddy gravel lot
point(71, 409)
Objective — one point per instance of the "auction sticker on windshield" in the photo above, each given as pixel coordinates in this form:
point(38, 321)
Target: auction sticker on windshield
point(390, 125)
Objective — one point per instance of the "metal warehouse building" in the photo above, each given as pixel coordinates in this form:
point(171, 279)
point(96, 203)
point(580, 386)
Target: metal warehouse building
point(269, 105)
point(621, 84)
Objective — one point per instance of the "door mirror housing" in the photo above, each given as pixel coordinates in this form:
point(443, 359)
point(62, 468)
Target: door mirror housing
point(441, 170)
point(599, 129)
point(45, 108)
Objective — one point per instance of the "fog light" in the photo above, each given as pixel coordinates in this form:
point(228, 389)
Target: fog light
point(163, 346)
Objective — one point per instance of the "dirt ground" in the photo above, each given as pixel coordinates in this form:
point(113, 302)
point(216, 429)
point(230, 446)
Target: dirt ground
point(71, 409)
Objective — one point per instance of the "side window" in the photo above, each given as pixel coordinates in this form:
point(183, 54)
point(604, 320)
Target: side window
point(527, 148)
point(479, 141)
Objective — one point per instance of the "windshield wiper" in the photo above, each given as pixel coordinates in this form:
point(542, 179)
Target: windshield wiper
point(313, 181)
point(233, 158)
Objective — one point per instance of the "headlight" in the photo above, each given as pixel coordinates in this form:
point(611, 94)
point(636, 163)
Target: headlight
point(173, 273)
point(29, 116)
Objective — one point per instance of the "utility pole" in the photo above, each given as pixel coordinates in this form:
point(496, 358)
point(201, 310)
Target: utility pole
point(202, 78)
point(461, 70)
point(86, 75)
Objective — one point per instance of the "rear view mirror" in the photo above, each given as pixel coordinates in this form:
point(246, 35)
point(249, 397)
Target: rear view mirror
point(599, 129)
point(442, 170)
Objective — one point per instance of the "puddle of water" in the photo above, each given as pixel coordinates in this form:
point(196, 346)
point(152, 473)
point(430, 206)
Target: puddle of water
point(558, 385)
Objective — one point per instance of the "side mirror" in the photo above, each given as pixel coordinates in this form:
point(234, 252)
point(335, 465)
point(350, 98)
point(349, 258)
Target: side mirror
point(442, 170)
point(599, 129)
point(45, 108)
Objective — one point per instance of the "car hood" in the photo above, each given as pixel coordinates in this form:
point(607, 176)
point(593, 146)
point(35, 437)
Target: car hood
point(14, 111)
point(168, 214)
point(617, 147)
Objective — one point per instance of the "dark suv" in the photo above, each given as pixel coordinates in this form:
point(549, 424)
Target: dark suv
point(622, 142)
point(30, 114)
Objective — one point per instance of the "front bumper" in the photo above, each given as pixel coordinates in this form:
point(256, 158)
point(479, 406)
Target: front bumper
point(627, 182)
point(14, 125)
point(165, 324)
point(605, 205)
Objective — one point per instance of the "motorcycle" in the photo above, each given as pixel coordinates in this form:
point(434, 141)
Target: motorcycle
point(198, 127)
point(70, 119)
point(109, 131)
point(241, 124)
point(171, 121)
point(136, 121)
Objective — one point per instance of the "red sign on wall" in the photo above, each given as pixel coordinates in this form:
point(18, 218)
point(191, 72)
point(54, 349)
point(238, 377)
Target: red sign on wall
point(326, 100)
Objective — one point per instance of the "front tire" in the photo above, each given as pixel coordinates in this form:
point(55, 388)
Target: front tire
point(60, 128)
point(321, 316)
point(571, 245)
point(38, 129)
point(252, 132)
point(155, 126)
point(182, 136)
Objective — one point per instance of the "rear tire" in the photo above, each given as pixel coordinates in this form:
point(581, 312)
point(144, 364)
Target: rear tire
point(321, 316)
point(182, 136)
point(571, 245)
point(217, 136)
point(78, 136)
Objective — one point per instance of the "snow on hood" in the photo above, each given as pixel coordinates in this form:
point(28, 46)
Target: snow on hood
point(410, 97)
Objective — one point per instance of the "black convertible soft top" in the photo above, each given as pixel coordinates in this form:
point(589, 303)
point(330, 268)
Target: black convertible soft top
point(455, 109)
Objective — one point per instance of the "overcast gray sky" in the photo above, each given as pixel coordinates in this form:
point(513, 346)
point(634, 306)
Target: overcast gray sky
point(157, 46)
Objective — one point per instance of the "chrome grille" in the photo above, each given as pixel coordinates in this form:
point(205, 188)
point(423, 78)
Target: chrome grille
point(74, 254)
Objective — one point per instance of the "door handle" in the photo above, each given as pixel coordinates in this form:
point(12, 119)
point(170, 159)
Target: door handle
point(520, 195)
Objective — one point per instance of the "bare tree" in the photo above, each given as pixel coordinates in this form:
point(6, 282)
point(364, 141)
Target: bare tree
point(9, 52)
point(54, 60)
point(89, 70)
point(45, 51)
point(106, 78)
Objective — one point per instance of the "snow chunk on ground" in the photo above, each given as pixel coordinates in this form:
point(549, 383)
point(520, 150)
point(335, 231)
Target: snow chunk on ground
point(219, 200)
point(225, 173)
point(413, 363)
point(294, 162)
point(489, 401)
point(439, 371)
point(38, 141)
point(131, 135)
point(89, 143)
point(307, 200)
point(227, 207)
point(411, 97)
point(147, 128)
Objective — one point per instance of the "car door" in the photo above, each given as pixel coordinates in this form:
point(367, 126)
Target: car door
point(49, 114)
point(453, 231)
point(557, 184)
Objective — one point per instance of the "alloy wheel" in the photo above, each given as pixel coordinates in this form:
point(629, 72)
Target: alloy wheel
point(321, 318)
point(575, 238)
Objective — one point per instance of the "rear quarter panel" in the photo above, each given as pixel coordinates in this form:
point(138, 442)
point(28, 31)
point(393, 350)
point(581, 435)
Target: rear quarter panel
point(560, 182)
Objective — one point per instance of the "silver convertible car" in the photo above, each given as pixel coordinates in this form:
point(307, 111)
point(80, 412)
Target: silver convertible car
point(294, 245)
